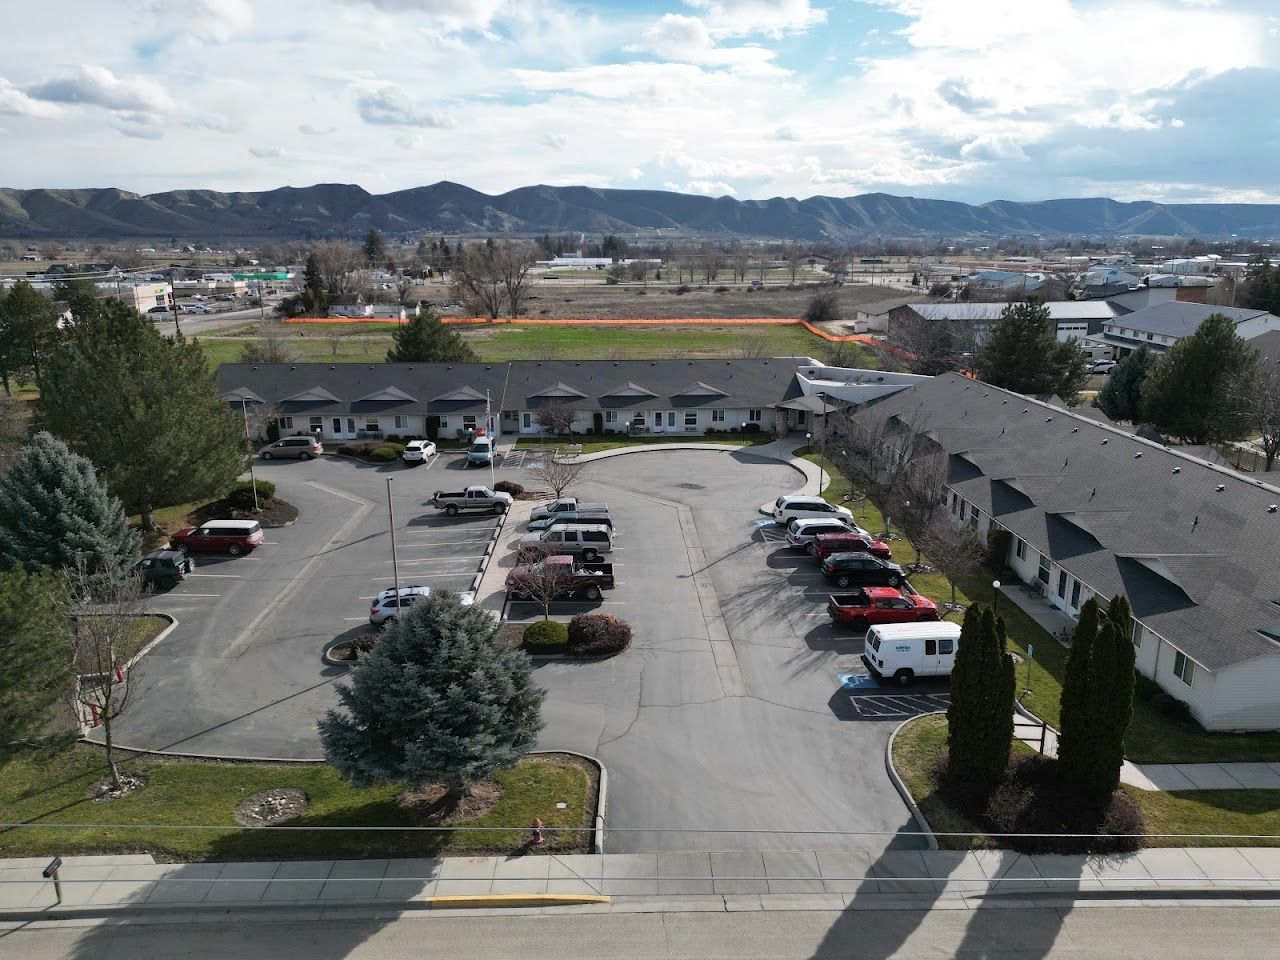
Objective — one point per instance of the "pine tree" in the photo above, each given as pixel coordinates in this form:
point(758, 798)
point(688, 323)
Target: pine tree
point(1022, 353)
point(425, 339)
point(145, 409)
point(315, 299)
point(28, 332)
point(1188, 392)
point(1121, 398)
point(1074, 742)
point(441, 699)
point(32, 649)
point(375, 251)
point(1120, 703)
point(980, 717)
point(53, 509)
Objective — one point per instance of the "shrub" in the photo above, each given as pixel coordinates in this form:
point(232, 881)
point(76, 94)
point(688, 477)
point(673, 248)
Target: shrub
point(681, 290)
point(392, 438)
point(241, 495)
point(365, 642)
point(823, 308)
point(752, 428)
point(722, 289)
point(546, 634)
point(349, 450)
point(508, 486)
point(599, 634)
point(387, 452)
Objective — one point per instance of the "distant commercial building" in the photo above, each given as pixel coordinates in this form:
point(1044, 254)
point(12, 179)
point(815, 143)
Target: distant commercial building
point(1160, 326)
point(1071, 318)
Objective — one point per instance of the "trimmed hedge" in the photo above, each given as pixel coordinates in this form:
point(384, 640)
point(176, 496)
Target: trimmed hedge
point(508, 486)
point(241, 495)
point(546, 633)
point(387, 452)
point(598, 634)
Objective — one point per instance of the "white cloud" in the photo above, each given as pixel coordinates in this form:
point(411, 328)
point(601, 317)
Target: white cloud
point(770, 17)
point(203, 20)
point(687, 39)
point(557, 141)
point(268, 153)
point(16, 103)
point(992, 146)
point(309, 130)
point(707, 188)
point(388, 105)
point(447, 15)
point(96, 86)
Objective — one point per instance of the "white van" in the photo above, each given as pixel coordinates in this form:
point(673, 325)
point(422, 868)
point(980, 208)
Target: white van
point(904, 651)
point(786, 509)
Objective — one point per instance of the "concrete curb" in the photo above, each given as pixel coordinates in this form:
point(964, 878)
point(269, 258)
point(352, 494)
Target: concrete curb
point(602, 794)
point(173, 625)
point(489, 550)
point(901, 786)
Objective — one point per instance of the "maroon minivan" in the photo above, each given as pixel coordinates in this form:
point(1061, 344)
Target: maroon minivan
point(219, 536)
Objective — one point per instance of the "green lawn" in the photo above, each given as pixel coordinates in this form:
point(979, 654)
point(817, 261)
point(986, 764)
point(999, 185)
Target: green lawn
point(51, 789)
point(595, 446)
point(1252, 812)
point(1152, 737)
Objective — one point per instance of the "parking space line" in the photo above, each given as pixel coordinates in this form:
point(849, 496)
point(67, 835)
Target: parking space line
point(440, 543)
point(184, 595)
point(218, 576)
point(465, 575)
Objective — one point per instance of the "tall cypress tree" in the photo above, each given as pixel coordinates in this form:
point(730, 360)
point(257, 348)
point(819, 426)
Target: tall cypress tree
point(980, 716)
point(145, 409)
point(1119, 707)
point(1074, 755)
point(53, 509)
point(1003, 689)
point(425, 339)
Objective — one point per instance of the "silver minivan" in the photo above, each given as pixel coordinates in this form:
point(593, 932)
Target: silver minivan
point(587, 540)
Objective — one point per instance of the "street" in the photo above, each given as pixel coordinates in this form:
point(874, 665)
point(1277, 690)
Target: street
point(1011, 932)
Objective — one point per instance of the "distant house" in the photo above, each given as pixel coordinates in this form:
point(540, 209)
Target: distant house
point(1071, 318)
point(1160, 326)
point(373, 311)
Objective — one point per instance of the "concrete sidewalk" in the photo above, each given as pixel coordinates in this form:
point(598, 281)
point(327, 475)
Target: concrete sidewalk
point(754, 880)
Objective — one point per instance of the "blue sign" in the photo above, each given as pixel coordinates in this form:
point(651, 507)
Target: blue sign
point(856, 681)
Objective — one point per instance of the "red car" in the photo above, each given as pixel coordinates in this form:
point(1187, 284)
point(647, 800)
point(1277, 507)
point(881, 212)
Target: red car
point(825, 544)
point(219, 536)
point(874, 605)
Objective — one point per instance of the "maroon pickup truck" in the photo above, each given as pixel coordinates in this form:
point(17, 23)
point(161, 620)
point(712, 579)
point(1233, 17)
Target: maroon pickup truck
point(825, 544)
point(873, 605)
point(561, 576)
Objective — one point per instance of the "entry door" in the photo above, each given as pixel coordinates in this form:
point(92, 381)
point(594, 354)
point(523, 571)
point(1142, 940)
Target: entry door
point(337, 427)
point(671, 419)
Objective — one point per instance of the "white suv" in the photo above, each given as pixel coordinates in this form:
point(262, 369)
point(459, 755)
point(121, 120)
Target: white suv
point(801, 533)
point(416, 451)
point(387, 606)
point(786, 509)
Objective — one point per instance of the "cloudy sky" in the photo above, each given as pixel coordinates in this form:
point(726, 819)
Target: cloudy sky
point(968, 100)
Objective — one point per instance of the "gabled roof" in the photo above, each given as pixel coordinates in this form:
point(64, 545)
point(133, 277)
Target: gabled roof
point(698, 389)
point(629, 389)
point(241, 393)
point(1179, 318)
point(312, 395)
point(560, 390)
point(458, 395)
point(387, 395)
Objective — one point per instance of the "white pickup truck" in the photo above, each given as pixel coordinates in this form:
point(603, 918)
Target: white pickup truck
point(472, 498)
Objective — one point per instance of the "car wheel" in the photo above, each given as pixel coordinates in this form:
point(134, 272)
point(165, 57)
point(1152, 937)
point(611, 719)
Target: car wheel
point(593, 593)
point(266, 454)
point(168, 583)
point(499, 508)
point(860, 624)
point(234, 550)
point(590, 556)
point(904, 677)
point(387, 621)
point(894, 579)
point(844, 581)
point(306, 456)
point(451, 510)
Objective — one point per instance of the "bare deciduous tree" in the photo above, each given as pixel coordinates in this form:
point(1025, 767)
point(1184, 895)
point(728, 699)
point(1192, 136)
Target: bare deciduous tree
point(1258, 395)
point(559, 473)
point(337, 260)
point(555, 417)
point(479, 283)
point(956, 553)
point(271, 347)
point(103, 617)
point(513, 263)
point(712, 262)
point(541, 581)
point(751, 347)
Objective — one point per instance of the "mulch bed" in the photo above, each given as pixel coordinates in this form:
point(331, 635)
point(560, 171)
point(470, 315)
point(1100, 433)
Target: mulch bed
point(274, 513)
point(105, 790)
point(273, 806)
point(483, 797)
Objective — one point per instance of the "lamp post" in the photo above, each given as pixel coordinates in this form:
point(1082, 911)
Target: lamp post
point(253, 479)
point(395, 563)
point(808, 439)
point(995, 597)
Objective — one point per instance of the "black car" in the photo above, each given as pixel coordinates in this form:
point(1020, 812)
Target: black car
point(848, 569)
point(164, 568)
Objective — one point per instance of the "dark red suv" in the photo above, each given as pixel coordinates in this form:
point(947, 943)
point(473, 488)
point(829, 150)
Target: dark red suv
point(825, 544)
point(219, 536)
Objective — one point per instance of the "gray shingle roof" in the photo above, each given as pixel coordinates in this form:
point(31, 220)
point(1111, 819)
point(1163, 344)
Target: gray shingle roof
point(1200, 566)
point(1180, 319)
point(1058, 310)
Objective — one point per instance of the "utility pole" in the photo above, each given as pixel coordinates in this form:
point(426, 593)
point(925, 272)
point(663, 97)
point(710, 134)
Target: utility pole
point(395, 562)
point(253, 479)
point(173, 301)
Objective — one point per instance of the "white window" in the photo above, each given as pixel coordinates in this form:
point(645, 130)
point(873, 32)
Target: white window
point(1137, 634)
point(671, 418)
point(526, 421)
point(717, 416)
point(444, 423)
point(371, 425)
point(402, 423)
point(286, 423)
point(753, 416)
point(964, 508)
point(1184, 668)
point(1045, 563)
point(469, 420)
point(317, 423)
point(691, 418)
point(611, 416)
point(1020, 548)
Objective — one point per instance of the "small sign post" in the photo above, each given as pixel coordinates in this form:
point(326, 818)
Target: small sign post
point(51, 873)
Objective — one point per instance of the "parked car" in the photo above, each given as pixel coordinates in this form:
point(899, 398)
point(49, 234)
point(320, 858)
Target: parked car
point(801, 533)
point(472, 498)
point(563, 504)
point(589, 540)
point(159, 309)
point(482, 452)
point(572, 516)
point(786, 509)
point(302, 448)
point(387, 605)
point(195, 308)
point(825, 544)
point(219, 536)
point(848, 569)
point(568, 578)
point(904, 651)
point(874, 605)
point(1102, 366)
point(418, 451)
point(164, 569)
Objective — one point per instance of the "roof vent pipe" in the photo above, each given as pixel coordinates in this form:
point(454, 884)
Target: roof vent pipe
point(1138, 455)
point(1177, 469)
point(1271, 509)
point(1220, 487)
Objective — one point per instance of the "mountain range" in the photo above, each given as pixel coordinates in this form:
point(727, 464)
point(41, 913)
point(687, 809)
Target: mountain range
point(335, 209)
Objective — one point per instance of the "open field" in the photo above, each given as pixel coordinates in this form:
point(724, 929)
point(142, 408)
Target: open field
point(368, 343)
point(1253, 812)
point(51, 788)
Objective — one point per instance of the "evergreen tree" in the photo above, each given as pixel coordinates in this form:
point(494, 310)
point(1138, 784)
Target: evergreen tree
point(315, 299)
point(1188, 392)
point(980, 716)
point(1121, 398)
point(1022, 353)
point(375, 251)
point(28, 332)
point(441, 699)
point(425, 339)
point(1076, 746)
point(1119, 707)
point(32, 649)
point(1261, 287)
point(144, 408)
point(53, 509)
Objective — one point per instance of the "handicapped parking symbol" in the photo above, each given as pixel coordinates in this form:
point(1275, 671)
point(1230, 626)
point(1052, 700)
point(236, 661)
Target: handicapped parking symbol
point(856, 681)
